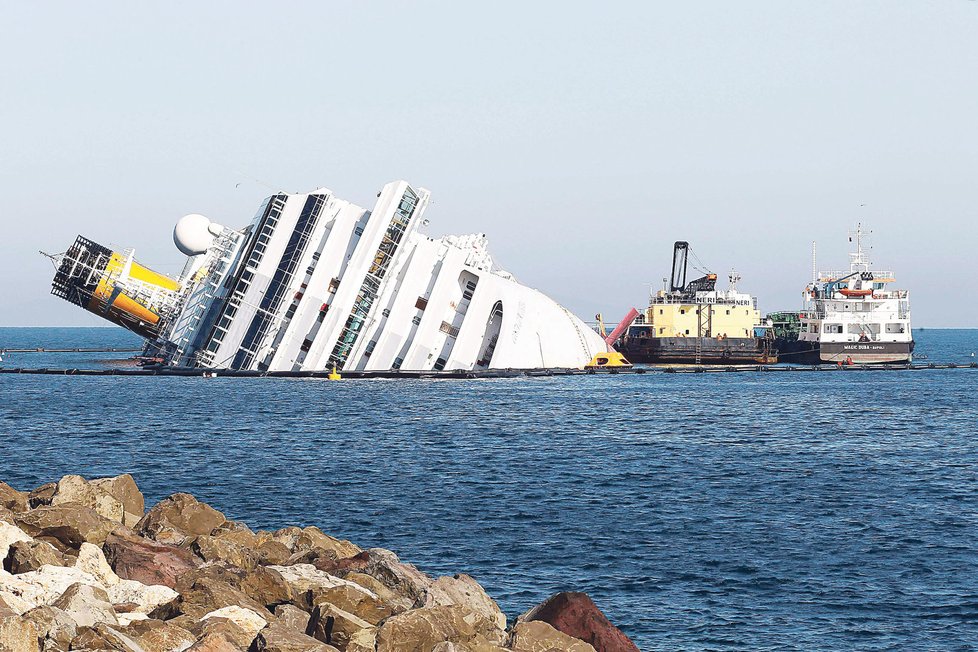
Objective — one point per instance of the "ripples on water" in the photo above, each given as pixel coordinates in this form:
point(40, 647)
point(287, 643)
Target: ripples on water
point(763, 511)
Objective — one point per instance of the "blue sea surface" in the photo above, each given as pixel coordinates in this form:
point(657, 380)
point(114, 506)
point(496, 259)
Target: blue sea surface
point(763, 511)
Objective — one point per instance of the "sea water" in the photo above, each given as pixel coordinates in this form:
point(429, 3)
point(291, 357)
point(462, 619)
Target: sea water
point(811, 510)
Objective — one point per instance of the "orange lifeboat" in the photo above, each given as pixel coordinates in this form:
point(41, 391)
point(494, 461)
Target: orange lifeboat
point(846, 292)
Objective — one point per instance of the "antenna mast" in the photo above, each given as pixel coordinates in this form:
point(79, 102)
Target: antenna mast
point(814, 266)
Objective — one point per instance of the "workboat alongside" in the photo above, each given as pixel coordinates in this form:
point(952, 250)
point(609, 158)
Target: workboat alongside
point(317, 283)
point(850, 317)
point(696, 323)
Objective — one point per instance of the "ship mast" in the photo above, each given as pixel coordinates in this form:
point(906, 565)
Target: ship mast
point(858, 258)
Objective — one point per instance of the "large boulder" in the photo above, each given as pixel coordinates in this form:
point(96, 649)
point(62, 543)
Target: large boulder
point(55, 628)
point(248, 620)
point(293, 616)
point(208, 594)
point(18, 634)
point(280, 638)
point(307, 583)
point(141, 598)
point(43, 586)
point(9, 535)
point(66, 526)
point(419, 630)
point(42, 495)
point(264, 585)
point(225, 549)
point(387, 596)
point(403, 579)
point(222, 628)
point(74, 489)
point(25, 556)
point(466, 592)
point(575, 614)
point(364, 640)
point(335, 626)
point(214, 642)
point(181, 516)
point(158, 636)
point(358, 601)
point(87, 605)
point(105, 636)
point(123, 488)
point(10, 498)
point(538, 636)
point(273, 552)
point(136, 558)
point(298, 539)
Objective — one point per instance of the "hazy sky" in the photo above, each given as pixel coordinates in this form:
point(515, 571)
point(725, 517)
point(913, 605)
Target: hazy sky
point(582, 138)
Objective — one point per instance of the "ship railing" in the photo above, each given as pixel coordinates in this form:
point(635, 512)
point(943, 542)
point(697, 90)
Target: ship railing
point(834, 275)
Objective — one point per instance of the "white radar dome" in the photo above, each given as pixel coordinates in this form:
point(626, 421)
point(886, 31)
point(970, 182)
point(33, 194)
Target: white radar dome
point(194, 234)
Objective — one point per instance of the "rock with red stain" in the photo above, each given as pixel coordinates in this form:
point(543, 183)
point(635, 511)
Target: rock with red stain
point(575, 614)
point(136, 558)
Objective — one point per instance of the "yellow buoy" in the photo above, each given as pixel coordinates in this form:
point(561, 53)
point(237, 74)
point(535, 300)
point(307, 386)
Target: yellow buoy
point(609, 360)
point(333, 375)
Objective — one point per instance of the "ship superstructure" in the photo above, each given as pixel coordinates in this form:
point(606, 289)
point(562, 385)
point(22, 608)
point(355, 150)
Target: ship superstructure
point(853, 317)
point(316, 282)
point(694, 322)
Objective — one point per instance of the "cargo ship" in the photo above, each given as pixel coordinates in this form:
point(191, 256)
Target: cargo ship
point(695, 323)
point(850, 317)
point(316, 283)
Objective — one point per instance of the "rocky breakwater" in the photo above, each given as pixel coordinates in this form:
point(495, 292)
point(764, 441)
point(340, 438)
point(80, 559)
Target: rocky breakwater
point(85, 567)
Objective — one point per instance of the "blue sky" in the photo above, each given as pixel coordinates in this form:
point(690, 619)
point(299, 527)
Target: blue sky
point(583, 138)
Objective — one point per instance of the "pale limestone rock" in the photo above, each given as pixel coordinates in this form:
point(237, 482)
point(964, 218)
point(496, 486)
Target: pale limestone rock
point(18, 634)
point(293, 616)
point(87, 605)
point(127, 619)
point(364, 640)
point(44, 585)
point(55, 628)
point(146, 597)
point(246, 619)
point(10, 534)
point(334, 626)
point(124, 489)
point(12, 600)
point(538, 636)
point(76, 489)
point(466, 592)
point(305, 577)
point(91, 560)
point(419, 630)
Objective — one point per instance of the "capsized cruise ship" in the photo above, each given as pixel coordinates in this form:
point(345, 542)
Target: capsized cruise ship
point(315, 283)
point(851, 317)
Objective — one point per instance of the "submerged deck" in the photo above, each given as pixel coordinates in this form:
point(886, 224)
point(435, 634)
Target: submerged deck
point(489, 373)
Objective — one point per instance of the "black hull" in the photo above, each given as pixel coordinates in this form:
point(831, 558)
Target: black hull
point(801, 352)
point(683, 350)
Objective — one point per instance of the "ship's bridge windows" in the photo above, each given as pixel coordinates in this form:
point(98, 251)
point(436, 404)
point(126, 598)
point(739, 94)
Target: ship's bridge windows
point(832, 328)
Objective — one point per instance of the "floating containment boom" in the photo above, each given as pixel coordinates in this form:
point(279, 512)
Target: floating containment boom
point(316, 282)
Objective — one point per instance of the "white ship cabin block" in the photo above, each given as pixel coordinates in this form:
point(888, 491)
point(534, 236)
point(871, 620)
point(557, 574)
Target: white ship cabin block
point(316, 281)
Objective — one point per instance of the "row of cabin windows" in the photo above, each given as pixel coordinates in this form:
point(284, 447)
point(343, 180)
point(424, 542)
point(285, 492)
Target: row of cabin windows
point(858, 329)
